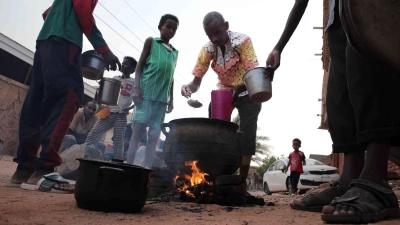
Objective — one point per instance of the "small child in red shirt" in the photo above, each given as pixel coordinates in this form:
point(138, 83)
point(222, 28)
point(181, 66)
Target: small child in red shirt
point(296, 161)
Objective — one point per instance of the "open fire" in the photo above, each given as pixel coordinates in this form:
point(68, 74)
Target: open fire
point(194, 184)
point(224, 190)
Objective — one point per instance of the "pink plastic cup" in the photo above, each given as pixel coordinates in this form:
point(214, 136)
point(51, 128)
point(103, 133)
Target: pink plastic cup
point(221, 104)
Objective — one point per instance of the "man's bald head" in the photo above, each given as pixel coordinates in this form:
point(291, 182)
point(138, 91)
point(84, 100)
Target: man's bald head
point(211, 16)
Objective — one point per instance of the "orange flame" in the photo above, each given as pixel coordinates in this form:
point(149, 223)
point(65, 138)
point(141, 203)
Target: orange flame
point(198, 177)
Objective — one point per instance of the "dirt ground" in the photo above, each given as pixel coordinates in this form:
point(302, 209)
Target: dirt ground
point(18, 206)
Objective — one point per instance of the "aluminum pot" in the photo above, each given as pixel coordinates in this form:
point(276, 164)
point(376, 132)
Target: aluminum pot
point(214, 143)
point(111, 186)
point(259, 87)
point(109, 91)
point(93, 65)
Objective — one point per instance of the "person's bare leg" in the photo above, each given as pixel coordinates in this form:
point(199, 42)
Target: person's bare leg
point(245, 166)
point(137, 133)
point(374, 170)
point(21, 176)
point(153, 136)
point(37, 175)
point(352, 167)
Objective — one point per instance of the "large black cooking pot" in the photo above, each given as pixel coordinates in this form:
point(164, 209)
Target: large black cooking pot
point(214, 143)
point(111, 186)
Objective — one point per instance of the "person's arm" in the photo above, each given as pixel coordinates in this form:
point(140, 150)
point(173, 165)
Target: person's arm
point(274, 58)
point(137, 94)
point(288, 164)
point(304, 160)
point(171, 98)
point(202, 65)
point(127, 108)
point(84, 13)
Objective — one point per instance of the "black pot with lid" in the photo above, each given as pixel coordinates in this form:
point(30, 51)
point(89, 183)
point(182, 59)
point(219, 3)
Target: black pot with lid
point(111, 186)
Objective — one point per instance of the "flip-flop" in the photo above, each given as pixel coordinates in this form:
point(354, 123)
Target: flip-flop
point(12, 185)
point(315, 202)
point(366, 212)
point(46, 184)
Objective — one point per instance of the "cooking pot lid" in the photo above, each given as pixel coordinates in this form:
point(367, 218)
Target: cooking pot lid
point(109, 163)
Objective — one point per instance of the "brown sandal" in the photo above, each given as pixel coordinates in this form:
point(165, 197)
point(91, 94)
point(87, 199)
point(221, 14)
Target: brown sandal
point(315, 202)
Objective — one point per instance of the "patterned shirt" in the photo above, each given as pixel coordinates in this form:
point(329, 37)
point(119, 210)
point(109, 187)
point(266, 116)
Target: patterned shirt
point(238, 59)
point(126, 95)
point(296, 161)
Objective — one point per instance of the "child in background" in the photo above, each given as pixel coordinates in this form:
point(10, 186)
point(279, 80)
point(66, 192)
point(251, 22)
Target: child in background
point(154, 84)
point(117, 117)
point(296, 162)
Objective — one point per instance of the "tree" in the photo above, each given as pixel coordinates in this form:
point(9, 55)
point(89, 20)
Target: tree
point(262, 149)
point(266, 163)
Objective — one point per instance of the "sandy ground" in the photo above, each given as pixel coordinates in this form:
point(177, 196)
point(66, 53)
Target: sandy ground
point(18, 206)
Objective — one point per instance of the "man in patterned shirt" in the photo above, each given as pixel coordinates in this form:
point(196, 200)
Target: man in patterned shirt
point(231, 55)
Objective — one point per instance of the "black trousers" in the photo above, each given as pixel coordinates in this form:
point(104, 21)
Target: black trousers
point(363, 103)
point(52, 100)
point(294, 180)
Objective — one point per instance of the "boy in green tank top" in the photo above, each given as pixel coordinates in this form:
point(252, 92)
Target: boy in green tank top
point(153, 89)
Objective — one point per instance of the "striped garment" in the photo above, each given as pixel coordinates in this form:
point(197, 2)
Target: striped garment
point(114, 120)
point(158, 71)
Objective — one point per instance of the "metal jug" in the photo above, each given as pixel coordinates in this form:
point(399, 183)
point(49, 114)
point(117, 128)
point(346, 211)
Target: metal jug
point(109, 91)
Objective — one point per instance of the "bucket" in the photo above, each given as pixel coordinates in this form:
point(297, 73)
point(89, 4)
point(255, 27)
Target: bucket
point(109, 91)
point(258, 87)
point(93, 65)
point(221, 104)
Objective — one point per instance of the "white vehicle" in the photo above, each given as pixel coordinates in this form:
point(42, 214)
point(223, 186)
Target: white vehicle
point(315, 173)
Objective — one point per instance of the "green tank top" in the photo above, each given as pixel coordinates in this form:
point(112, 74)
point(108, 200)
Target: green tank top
point(158, 72)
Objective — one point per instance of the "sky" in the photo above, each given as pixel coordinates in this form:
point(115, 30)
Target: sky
point(297, 86)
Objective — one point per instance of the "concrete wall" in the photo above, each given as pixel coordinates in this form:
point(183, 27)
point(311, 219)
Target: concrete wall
point(12, 96)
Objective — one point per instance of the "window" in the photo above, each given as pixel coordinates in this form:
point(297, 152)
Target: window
point(279, 165)
point(313, 162)
point(15, 68)
point(272, 167)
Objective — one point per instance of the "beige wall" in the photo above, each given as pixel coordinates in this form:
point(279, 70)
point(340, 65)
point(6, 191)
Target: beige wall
point(12, 96)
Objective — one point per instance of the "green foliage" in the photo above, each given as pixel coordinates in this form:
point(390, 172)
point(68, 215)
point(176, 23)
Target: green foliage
point(266, 162)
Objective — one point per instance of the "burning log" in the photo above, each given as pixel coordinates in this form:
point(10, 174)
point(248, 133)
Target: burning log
point(228, 190)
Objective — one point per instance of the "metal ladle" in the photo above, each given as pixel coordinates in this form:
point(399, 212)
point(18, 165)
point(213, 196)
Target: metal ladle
point(193, 103)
